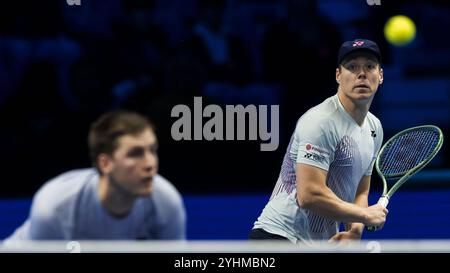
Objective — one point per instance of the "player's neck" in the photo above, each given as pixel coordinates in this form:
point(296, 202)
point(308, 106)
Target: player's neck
point(115, 200)
point(357, 110)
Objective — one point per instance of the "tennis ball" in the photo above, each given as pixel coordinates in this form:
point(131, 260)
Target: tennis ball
point(400, 30)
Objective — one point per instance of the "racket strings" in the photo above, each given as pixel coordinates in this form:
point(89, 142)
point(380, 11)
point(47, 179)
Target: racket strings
point(407, 151)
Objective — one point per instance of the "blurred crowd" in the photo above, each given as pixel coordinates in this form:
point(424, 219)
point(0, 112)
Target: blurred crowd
point(62, 66)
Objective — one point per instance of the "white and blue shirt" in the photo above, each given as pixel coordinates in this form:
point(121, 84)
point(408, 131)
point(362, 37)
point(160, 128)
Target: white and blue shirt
point(326, 137)
point(68, 208)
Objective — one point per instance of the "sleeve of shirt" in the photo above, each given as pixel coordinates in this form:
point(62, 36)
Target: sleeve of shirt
point(43, 222)
point(377, 146)
point(315, 142)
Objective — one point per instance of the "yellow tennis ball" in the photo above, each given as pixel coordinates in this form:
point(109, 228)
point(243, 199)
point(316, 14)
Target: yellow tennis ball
point(400, 30)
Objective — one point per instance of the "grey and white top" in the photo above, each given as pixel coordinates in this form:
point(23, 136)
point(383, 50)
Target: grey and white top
point(68, 208)
point(328, 138)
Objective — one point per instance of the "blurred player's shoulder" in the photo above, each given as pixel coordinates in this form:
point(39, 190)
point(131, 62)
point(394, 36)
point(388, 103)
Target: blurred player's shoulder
point(167, 200)
point(64, 187)
point(165, 192)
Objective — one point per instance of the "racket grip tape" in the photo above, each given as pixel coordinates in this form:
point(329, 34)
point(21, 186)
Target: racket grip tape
point(383, 201)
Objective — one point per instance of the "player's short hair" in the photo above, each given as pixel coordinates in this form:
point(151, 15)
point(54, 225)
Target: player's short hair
point(106, 130)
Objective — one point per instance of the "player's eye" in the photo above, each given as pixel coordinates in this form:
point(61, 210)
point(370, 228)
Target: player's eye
point(351, 67)
point(371, 66)
point(154, 149)
point(136, 152)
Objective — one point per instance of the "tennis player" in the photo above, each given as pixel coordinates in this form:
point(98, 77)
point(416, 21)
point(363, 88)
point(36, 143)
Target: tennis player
point(123, 197)
point(325, 174)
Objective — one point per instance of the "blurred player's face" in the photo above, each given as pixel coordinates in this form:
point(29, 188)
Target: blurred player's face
point(359, 78)
point(134, 163)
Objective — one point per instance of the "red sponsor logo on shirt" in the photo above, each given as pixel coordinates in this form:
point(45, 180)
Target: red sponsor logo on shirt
point(310, 147)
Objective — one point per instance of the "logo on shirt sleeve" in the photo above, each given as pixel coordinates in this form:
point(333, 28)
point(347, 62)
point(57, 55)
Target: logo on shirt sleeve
point(316, 149)
point(315, 157)
point(315, 153)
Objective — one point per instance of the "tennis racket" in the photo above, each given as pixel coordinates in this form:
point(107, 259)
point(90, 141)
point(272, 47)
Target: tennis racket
point(404, 155)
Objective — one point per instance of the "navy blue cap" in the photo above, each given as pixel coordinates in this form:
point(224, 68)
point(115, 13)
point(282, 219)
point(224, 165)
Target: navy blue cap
point(359, 45)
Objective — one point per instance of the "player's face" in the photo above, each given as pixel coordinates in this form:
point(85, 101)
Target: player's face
point(359, 78)
point(135, 163)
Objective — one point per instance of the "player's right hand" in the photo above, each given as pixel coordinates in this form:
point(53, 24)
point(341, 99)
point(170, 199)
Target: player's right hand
point(375, 215)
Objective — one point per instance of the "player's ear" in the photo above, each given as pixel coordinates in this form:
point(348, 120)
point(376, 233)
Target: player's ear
point(338, 75)
point(381, 76)
point(104, 163)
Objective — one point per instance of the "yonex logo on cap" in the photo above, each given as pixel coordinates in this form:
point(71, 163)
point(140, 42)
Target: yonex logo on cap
point(358, 44)
point(73, 2)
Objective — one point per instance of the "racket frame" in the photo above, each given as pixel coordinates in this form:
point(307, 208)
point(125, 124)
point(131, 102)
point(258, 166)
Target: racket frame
point(384, 199)
point(405, 175)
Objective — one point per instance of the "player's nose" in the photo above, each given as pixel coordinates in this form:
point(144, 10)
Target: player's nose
point(361, 74)
point(150, 161)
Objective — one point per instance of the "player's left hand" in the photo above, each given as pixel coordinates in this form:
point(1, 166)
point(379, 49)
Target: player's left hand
point(345, 236)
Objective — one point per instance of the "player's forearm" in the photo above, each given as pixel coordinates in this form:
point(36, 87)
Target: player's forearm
point(362, 201)
point(323, 201)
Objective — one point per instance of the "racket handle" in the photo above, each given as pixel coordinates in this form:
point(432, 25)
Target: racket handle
point(383, 201)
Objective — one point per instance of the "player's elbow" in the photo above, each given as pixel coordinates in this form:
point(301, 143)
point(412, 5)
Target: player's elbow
point(306, 199)
point(309, 196)
point(303, 203)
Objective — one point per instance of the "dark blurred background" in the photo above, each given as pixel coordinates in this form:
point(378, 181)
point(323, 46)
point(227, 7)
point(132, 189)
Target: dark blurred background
point(62, 66)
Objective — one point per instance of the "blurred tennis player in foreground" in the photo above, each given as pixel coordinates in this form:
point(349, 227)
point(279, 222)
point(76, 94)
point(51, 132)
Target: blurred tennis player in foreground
point(325, 175)
point(122, 198)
